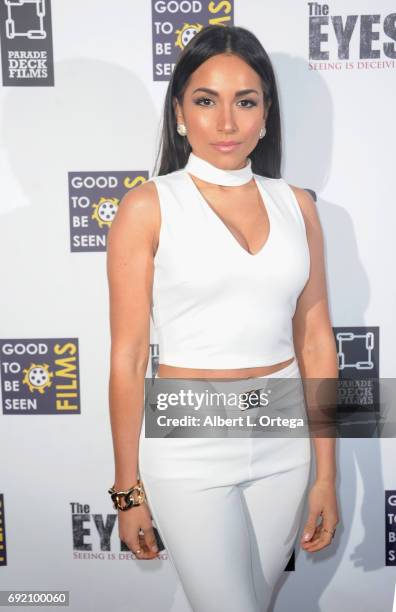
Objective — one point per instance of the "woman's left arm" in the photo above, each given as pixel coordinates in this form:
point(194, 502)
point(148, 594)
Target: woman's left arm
point(316, 353)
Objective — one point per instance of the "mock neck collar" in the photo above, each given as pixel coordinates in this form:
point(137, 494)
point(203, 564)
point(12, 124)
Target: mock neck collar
point(206, 171)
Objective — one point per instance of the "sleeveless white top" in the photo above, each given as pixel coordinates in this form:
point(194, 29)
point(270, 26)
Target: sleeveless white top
point(214, 304)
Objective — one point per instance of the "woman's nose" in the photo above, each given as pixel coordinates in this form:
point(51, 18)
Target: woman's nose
point(226, 120)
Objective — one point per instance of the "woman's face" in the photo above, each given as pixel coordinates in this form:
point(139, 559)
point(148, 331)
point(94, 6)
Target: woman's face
point(233, 110)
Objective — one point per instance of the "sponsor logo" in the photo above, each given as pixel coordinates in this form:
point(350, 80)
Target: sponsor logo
point(26, 42)
point(175, 23)
point(339, 41)
point(40, 376)
point(93, 203)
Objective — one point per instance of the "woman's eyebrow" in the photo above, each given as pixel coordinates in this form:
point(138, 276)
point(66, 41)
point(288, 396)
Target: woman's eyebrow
point(241, 92)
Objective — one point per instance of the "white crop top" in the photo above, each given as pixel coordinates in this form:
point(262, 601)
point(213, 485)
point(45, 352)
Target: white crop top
point(214, 304)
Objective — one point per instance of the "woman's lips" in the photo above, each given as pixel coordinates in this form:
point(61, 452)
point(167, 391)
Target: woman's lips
point(225, 148)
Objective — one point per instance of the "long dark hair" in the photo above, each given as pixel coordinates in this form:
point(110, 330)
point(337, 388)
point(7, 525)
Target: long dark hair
point(212, 40)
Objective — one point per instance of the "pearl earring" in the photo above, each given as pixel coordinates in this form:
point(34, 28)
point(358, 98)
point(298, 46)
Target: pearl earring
point(181, 129)
point(262, 132)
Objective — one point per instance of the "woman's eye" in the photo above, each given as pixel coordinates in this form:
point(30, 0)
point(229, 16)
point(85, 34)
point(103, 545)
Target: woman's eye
point(199, 100)
point(252, 102)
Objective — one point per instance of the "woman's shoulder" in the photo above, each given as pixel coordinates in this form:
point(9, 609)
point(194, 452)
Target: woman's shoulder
point(305, 200)
point(303, 196)
point(309, 211)
point(143, 196)
point(147, 195)
point(139, 207)
point(300, 197)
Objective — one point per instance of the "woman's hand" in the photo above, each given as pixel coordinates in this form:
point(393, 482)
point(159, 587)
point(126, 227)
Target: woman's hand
point(130, 522)
point(322, 502)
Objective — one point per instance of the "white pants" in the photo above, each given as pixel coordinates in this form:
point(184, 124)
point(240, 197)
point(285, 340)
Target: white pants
point(228, 511)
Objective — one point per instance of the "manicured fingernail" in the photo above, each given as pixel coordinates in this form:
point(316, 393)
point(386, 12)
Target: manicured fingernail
point(154, 548)
point(306, 536)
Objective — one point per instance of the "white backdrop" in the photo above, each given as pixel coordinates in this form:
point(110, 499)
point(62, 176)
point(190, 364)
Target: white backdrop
point(58, 530)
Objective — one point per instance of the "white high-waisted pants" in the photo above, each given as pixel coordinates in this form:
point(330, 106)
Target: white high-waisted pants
point(228, 510)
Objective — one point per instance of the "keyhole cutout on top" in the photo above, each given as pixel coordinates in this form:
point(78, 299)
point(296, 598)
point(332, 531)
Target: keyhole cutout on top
point(260, 219)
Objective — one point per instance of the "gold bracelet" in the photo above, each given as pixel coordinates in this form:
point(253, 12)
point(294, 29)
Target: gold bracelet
point(129, 500)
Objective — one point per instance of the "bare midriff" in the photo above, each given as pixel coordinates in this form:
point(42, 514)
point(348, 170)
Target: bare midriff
point(168, 371)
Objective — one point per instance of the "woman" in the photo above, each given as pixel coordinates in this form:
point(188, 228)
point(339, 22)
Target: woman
point(232, 257)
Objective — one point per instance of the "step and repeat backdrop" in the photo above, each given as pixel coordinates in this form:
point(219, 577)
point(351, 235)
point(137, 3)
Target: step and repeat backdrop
point(81, 99)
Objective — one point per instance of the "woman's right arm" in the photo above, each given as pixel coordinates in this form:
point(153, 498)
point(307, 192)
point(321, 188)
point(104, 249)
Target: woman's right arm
point(131, 244)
